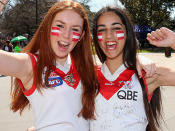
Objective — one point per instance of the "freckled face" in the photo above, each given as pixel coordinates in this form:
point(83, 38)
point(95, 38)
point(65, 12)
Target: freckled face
point(111, 35)
point(66, 29)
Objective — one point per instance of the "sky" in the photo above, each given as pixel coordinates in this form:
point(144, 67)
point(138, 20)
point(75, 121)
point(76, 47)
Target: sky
point(95, 5)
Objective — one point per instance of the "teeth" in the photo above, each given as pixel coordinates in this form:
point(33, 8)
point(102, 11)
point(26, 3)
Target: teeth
point(111, 43)
point(64, 43)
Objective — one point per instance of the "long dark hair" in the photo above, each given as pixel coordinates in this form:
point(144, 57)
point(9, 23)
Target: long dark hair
point(152, 108)
point(81, 55)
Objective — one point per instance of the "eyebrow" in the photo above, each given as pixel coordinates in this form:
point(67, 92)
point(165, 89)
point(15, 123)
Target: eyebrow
point(115, 23)
point(65, 23)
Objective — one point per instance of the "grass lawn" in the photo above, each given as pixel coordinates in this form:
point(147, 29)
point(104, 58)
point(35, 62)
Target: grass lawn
point(154, 50)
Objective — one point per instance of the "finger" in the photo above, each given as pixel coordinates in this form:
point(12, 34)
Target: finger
point(160, 34)
point(153, 70)
point(155, 35)
point(164, 30)
point(147, 70)
point(31, 129)
point(151, 36)
point(139, 69)
point(150, 39)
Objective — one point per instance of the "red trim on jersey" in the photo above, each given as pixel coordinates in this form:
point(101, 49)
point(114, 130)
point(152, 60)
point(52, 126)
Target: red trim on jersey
point(109, 88)
point(32, 89)
point(147, 92)
point(71, 78)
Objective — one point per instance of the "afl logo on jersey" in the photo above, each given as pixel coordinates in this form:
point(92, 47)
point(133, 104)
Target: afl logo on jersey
point(54, 80)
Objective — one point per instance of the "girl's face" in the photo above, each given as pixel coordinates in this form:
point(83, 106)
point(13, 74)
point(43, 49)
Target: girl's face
point(111, 35)
point(66, 29)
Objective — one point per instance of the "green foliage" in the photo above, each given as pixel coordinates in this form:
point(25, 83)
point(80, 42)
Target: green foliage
point(154, 13)
point(22, 19)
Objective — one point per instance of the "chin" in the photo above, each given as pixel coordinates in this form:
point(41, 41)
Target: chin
point(61, 56)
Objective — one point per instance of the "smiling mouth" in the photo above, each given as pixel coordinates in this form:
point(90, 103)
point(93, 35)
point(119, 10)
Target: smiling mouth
point(63, 44)
point(111, 45)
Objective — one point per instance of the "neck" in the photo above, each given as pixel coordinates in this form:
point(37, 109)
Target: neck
point(114, 64)
point(62, 60)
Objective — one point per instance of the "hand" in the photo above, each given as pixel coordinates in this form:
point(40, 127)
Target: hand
point(2, 4)
point(31, 129)
point(152, 83)
point(147, 65)
point(162, 37)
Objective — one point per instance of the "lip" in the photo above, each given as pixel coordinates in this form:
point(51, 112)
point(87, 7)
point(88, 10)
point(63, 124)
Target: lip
point(111, 47)
point(110, 41)
point(62, 46)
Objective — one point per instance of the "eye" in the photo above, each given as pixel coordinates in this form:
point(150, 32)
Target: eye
point(60, 26)
point(101, 30)
point(75, 30)
point(117, 28)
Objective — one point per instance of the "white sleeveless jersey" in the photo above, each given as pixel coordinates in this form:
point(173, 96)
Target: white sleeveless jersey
point(122, 110)
point(56, 108)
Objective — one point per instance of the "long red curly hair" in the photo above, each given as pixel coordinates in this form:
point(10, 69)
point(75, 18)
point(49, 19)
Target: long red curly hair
point(81, 56)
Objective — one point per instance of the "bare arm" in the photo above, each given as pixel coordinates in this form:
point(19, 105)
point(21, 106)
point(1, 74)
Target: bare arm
point(15, 64)
point(163, 77)
point(166, 76)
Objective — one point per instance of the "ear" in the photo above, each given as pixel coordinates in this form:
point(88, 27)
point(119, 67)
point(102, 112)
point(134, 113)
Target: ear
point(82, 35)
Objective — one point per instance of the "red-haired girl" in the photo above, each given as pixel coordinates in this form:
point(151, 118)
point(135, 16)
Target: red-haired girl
point(55, 74)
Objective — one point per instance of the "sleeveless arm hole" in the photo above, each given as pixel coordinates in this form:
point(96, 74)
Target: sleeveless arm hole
point(32, 89)
point(147, 92)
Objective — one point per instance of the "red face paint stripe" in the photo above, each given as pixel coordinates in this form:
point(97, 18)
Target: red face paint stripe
point(120, 34)
point(55, 31)
point(75, 36)
point(55, 28)
point(100, 38)
point(120, 31)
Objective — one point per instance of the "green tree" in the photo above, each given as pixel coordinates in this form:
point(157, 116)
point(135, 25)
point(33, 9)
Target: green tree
point(21, 18)
point(154, 13)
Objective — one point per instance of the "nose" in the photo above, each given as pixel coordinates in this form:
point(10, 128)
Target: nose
point(66, 33)
point(109, 34)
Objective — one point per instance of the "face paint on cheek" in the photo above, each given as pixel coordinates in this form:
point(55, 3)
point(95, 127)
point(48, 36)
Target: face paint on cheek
point(75, 36)
point(100, 38)
point(55, 31)
point(120, 34)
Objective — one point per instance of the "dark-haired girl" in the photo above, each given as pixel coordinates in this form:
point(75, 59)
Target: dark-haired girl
point(124, 102)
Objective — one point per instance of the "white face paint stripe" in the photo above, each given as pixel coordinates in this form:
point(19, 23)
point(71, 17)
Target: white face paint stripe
point(55, 31)
point(100, 37)
point(120, 34)
point(75, 36)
